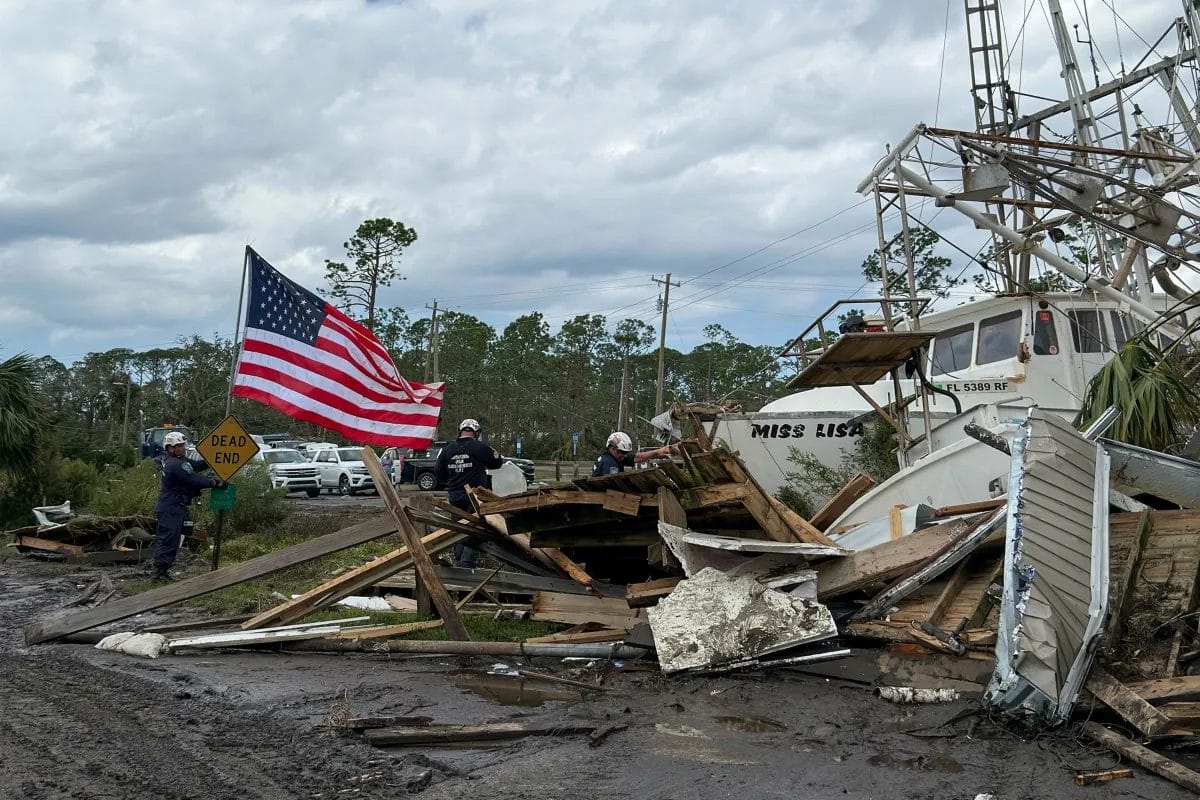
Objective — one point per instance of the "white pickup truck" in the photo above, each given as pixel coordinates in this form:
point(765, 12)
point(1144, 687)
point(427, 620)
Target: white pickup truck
point(342, 470)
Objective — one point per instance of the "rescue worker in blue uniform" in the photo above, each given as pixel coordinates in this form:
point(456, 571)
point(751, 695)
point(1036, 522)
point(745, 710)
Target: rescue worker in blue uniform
point(180, 486)
point(461, 464)
point(618, 454)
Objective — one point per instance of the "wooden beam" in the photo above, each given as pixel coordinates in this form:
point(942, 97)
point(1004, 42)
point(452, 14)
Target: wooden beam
point(795, 527)
point(600, 634)
point(576, 572)
point(348, 583)
point(385, 631)
point(622, 502)
point(855, 488)
point(970, 508)
point(640, 595)
point(124, 607)
point(670, 510)
point(416, 548)
point(1186, 608)
point(49, 545)
point(1144, 756)
point(1132, 708)
point(896, 522)
point(884, 561)
point(1183, 687)
point(462, 579)
point(573, 609)
point(1122, 585)
point(950, 592)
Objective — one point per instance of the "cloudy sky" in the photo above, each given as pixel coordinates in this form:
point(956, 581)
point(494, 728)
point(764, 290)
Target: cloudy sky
point(551, 155)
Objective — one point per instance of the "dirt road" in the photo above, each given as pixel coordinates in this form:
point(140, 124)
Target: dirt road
point(79, 723)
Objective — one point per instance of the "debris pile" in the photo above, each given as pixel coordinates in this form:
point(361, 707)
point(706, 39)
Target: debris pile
point(60, 535)
point(1054, 604)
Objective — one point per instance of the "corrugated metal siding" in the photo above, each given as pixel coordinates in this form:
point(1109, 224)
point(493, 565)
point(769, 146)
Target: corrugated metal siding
point(1050, 594)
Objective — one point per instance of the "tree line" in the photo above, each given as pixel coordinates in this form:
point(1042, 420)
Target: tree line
point(525, 380)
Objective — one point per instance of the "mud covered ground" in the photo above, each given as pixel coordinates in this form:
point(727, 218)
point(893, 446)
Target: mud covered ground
point(79, 723)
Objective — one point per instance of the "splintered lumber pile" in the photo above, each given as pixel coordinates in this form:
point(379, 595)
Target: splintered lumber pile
point(93, 540)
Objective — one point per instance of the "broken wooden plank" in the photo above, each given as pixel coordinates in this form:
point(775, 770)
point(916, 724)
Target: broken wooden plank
point(384, 631)
point(457, 734)
point(1182, 687)
point(963, 509)
point(1132, 708)
point(118, 609)
point(884, 561)
point(855, 488)
point(1122, 586)
point(1188, 606)
point(676, 475)
point(573, 609)
point(1102, 776)
point(48, 545)
point(349, 583)
point(950, 592)
point(742, 545)
point(575, 571)
point(1144, 756)
point(463, 579)
point(622, 502)
point(640, 595)
point(671, 512)
point(896, 522)
point(600, 634)
point(416, 548)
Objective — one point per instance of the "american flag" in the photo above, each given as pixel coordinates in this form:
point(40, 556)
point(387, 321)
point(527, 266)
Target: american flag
point(309, 360)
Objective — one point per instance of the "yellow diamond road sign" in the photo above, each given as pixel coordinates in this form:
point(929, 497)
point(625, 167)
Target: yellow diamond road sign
point(227, 448)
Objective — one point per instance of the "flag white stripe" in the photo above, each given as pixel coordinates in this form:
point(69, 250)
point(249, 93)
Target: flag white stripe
point(336, 415)
point(330, 385)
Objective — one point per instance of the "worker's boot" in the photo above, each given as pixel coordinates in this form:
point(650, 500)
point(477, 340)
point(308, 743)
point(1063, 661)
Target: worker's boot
point(162, 575)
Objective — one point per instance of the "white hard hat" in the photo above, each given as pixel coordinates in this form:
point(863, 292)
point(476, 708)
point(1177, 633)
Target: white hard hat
point(469, 425)
point(173, 438)
point(620, 441)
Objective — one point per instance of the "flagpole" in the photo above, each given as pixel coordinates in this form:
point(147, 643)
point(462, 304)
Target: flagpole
point(239, 332)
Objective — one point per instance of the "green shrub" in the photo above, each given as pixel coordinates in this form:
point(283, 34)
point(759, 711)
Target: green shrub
point(124, 492)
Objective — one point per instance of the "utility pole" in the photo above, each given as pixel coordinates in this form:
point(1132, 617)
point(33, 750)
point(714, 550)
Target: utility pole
point(431, 357)
point(662, 341)
point(623, 405)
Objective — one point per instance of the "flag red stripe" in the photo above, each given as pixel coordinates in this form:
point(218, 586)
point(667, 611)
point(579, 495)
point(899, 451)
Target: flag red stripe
point(326, 369)
point(334, 401)
point(307, 415)
point(362, 332)
point(348, 345)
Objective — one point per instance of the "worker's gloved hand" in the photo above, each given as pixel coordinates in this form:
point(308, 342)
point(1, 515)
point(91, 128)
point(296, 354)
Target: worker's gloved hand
point(220, 484)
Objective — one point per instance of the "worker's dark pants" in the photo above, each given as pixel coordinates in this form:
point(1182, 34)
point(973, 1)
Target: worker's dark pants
point(464, 554)
point(168, 537)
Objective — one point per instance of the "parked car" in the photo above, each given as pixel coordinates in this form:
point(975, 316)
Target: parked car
point(419, 468)
point(342, 470)
point(289, 470)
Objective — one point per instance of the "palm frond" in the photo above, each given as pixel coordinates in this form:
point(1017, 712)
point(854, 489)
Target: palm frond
point(21, 415)
point(1156, 400)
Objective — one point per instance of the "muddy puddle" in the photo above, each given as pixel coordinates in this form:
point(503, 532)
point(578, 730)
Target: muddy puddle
point(506, 690)
point(933, 762)
point(750, 724)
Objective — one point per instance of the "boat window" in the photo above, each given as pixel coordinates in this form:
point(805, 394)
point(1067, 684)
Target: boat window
point(952, 350)
point(999, 338)
point(1119, 325)
point(1085, 331)
point(1045, 337)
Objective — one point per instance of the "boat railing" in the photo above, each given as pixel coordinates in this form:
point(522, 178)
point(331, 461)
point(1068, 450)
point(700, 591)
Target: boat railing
point(891, 310)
